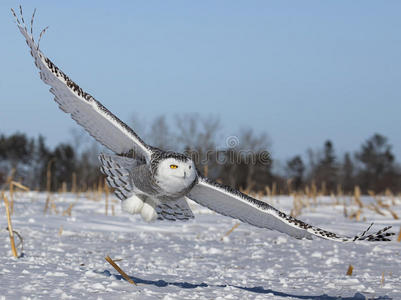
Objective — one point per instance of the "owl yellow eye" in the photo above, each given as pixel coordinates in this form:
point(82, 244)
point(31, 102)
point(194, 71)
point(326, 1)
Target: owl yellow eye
point(173, 166)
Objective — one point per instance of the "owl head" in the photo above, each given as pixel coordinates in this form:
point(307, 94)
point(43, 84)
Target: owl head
point(174, 172)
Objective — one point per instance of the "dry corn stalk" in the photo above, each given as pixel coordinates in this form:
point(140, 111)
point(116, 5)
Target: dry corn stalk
point(307, 201)
point(333, 198)
point(64, 187)
point(298, 205)
point(100, 188)
point(47, 203)
point(9, 179)
point(205, 170)
point(11, 198)
point(10, 227)
point(382, 281)
point(274, 189)
point(289, 185)
point(390, 195)
point(345, 210)
point(48, 183)
point(94, 188)
point(74, 183)
point(68, 210)
point(123, 274)
point(307, 192)
point(314, 192)
point(18, 185)
point(323, 188)
point(340, 192)
point(387, 207)
point(395, 216)
point(60, 232)
point(356, 215)
point(399, 236)
point(53, 206)
point(268, 191)
point(229, 232)
point(381, 203)
point(376, 209)
point(357, 196)
point(349, 271)
point(84, 187)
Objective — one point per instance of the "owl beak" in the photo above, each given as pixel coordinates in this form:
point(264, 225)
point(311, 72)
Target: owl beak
point(185, 174)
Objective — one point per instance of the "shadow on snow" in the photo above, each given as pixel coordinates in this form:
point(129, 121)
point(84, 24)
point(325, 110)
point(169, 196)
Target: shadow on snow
point(257, 289)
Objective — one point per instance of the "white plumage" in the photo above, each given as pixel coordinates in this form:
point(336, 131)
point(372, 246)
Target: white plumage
point(156, 183)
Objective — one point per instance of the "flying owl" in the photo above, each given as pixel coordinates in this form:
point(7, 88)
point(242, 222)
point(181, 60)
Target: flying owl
point(156, 183)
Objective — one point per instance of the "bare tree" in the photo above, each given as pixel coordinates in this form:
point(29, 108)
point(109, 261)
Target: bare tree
point(160, 136)
point(197, 137)
point(247, 162)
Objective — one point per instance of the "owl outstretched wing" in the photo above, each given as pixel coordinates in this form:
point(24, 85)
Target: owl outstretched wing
point(97, 120)
point(232, 203)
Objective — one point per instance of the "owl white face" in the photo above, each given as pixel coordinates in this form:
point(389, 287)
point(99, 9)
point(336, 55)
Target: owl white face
point(174, 175)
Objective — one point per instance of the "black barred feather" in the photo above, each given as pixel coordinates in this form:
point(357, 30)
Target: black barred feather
point(118, 176)
point(175, 210)
point(380, 236)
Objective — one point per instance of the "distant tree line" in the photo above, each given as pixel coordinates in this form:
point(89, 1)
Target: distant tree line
point(30, 161)
point(240, 161)
point(373, 168)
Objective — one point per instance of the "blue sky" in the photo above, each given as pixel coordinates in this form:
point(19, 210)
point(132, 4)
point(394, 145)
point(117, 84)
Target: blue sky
point(301, 71)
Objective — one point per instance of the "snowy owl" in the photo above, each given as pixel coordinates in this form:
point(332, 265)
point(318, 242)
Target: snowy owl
point(156, 183)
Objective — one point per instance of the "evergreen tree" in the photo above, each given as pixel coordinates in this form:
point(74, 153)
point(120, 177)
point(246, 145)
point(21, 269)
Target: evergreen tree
point(378, 169)
point(326, 172)
point(295, 170)
point(347, 174)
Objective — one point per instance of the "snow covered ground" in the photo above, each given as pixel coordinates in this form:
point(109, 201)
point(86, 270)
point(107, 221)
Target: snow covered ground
point(189, 260)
